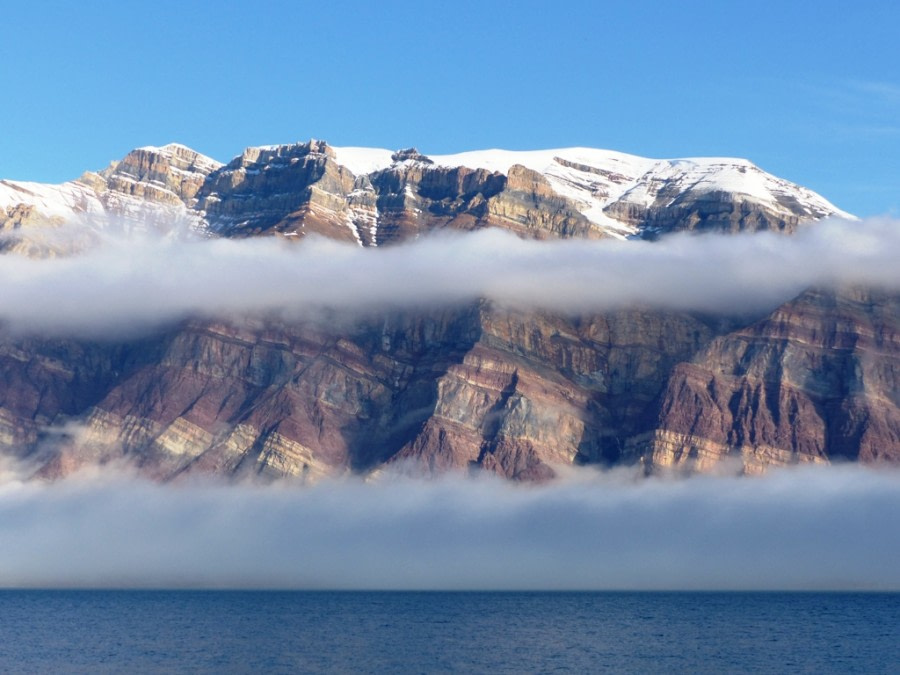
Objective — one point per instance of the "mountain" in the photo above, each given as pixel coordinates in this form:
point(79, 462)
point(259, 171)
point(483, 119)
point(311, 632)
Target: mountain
point(149, 190)
point(468, 386)
point(373, 197)
point(815, 381)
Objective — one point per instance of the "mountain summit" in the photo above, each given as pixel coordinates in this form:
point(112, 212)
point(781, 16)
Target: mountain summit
point(371, 196)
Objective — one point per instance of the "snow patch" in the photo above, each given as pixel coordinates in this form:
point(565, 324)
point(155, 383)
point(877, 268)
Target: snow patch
point(363, 161)
point(61, 200)
point(354, 229)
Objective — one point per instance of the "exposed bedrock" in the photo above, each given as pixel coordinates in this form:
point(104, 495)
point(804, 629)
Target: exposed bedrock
point(816, 381)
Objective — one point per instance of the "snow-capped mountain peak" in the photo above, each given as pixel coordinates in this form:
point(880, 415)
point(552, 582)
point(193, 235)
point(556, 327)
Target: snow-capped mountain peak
point(372, 196)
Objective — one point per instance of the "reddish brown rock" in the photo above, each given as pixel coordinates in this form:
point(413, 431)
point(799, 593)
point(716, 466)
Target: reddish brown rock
point(539, 390)
point(474, 386)
point(467, 388)
point(817, 381)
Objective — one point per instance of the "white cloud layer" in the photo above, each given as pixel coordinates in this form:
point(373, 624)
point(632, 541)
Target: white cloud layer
point(126, 283)
point(809, 528)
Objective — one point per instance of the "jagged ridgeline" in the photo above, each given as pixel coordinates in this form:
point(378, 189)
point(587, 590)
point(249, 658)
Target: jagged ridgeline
point(374, 197)
point(463, 387)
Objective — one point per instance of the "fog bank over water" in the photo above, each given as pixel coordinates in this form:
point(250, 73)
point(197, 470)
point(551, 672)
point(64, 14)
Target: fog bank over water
point(131, 282)
point(803, 528)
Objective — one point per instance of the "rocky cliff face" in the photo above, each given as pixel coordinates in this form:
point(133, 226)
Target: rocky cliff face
point(473, 387)
point(470, 387)
point(538, 390)
point(150, 189)
point(386, 197)
point(302, 189)
point(170, 175)
point(290, 189)
point(719, 196)
point(373, 197)
point(816, 381)
point(259, 398)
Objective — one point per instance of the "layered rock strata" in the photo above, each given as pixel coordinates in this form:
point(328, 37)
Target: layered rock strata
point(373, 197)
point(464, 388)
point(473, 387)
point(149, 190)
point(816, 381)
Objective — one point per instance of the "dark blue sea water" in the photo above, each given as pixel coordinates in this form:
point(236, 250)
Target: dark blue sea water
point(161, 631)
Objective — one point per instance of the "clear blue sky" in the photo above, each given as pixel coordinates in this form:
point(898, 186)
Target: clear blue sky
point(808, 90)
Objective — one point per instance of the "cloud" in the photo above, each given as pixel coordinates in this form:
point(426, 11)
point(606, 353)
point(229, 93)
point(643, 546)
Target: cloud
point(141, 281)
point(811, 528)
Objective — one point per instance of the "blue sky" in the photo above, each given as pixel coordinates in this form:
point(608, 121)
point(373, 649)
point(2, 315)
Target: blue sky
point(807, 90)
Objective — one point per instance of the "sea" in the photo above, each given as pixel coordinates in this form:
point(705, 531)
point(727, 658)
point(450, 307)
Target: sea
point(447, 632)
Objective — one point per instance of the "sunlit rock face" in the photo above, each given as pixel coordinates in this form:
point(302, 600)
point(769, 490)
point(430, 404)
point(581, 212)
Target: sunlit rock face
point(149, 190)
point(372, 197)
point(818, 380)
point(465, 389)
point(539, 390)
point(172, 175)
point(287, 189)
point(251, 398)
point(471, 387)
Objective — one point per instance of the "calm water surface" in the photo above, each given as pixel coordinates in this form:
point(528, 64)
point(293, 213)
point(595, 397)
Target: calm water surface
point(161, 631)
